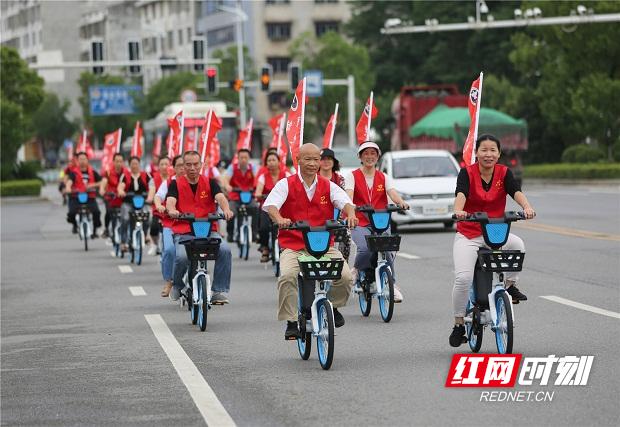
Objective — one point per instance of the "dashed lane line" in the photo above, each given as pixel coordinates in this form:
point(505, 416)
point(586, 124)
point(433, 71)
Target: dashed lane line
point(581, 306)
point(125, 269)
point(137, 291)
point(205, 399)
point(407, 256)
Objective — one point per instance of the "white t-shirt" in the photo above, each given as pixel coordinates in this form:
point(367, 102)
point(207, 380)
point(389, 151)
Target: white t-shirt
point(279, 194)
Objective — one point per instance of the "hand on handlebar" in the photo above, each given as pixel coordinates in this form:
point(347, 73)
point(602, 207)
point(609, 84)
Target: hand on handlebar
point(529, 213)
point(352, 221)
point(161, 209)
point(173, 213)
point(460, 214)
point(228, 214)
point(284, 222)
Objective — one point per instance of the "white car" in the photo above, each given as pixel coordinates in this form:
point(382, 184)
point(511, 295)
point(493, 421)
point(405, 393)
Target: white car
point(426, 179)
point(348, 159)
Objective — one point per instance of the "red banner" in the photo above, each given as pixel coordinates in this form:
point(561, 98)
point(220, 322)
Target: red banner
point(111, 145)
point(84, 145)
point(475, 97)
point(136, 142)
point(328, 137)
point(295, 121)
point(244, 141)
point(212, 125)
point(177, 124)
point(157, 146)
point(363, 125)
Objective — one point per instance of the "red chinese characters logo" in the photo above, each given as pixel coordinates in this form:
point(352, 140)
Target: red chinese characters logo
point(483, 370)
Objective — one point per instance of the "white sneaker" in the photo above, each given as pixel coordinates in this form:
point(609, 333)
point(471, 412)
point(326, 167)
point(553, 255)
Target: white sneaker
point(398, 296)
point(152, 250)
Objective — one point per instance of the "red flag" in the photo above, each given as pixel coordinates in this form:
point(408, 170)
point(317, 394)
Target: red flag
point(214, 156)
point(190, 139)
point(111, 144)
point(328, 137)
point(84, 145)
point(177, 124)
point(475, 97)
point(157, 146)
point(136, 142)
point(244, 141)
point(295, 121)
point(275, 123)
point(363, 125)
point(212, 125)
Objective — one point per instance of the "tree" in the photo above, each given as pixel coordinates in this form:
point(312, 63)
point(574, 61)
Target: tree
point(52, 125)
point(336, 58)
point(227, 71)
point(101, 125)
point(22, 92)
point(167, 90)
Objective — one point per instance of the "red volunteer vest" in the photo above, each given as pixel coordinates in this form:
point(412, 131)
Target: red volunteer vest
point(362, 195)
point(200, 204)
point(166, 221)
point(269, 183)
point(297, 207)
point(245, 181)
point(114, 179)
point(127, 179)
point(493, 202)
point(79, 186)
point(157, 180)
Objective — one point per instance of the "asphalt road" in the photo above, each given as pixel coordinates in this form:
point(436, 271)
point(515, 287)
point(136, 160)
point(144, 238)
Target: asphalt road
point(77, 349)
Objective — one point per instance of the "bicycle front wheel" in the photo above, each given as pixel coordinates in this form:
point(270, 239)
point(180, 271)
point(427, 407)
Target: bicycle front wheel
point(138, 248)
point(504, 326)
point(203, 306)
point(85, 233)
point(386, 297)
point(325, 336)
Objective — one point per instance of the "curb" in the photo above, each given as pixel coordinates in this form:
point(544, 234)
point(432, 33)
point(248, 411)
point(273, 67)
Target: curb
point(23, 199)
point(571, 182)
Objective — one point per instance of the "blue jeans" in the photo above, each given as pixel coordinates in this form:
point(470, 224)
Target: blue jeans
point(221, 271)
point(168, 254)
point(364, 256)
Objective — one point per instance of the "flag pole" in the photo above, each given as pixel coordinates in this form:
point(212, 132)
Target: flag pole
point(182, 130)
point(478, 106)
point(331, 137)
point(206, 139)
point(369, 115)
point(120, 135)
point(303, 112)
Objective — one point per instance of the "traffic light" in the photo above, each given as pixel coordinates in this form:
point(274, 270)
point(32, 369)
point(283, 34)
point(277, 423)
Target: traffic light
point(134, 55)
point(265, 77)
point(97, 55)
point(199, 53)
point(235, 85)
point(211, 80)
point(294, 71)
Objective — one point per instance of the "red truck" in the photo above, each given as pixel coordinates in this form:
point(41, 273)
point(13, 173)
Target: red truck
point(414, 104)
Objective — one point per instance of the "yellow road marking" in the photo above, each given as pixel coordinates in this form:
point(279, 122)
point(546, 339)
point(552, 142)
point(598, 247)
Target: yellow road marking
point(568, 231)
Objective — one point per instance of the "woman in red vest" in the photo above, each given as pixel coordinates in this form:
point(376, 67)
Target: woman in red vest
point(482, 187)
point(136, 181)
point(240, 175)
point(264, 184)
point(308, 197)
point(109, 184)
point(83, 179)
point(369, 186)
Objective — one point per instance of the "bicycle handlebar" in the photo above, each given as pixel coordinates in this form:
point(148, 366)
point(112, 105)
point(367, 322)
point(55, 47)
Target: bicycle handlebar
point(388, 208)
point(509, 216)
point(190, 217)
point(305, 226)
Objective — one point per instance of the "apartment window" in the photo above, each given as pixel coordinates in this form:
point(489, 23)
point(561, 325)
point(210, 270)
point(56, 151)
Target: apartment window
point(279, 63)
point(221, 36)
point(279, 30)
point(180, 37)
point(277, 1)
point(189, 34)
point(146, 46)
point(321, 27)
point(170, 39)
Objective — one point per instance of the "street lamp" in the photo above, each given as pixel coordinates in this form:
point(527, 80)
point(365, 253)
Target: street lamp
point(241, 18)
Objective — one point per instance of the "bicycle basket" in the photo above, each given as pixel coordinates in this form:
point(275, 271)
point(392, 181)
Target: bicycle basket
point(201, 229)
point(138, 216)
point(317, 242)
point(496, 233)
point(501, 260)
point(340, 235)
point(321, 269)
point(380, 220)
point(245, 197)
point(138, 202)
point(202, 249)
point(82, 197)
point(384, 243)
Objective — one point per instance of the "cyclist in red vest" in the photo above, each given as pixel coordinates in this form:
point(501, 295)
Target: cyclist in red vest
point(369, 186)
point(168, 250)
point(482, 187)
point(264, 184)
point(137, 181)
point(83, 179)
point(109, 184)
point(161, 175)
point(240, 176)
point(196, 194)
point(309, 197)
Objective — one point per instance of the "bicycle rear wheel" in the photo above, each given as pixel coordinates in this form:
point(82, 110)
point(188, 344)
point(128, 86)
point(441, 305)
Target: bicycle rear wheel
point(474, 330)
point(504, 327)
point(365, 302)
point(325, 336)
point(386, 298)
point(304, 345)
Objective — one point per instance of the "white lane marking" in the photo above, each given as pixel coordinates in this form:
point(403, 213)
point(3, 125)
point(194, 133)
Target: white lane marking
point(581, 306)
point(137, 291)
point(112, 254)
point(125, 269)
point(407, 256)
point(108, 243)
point(205, 399)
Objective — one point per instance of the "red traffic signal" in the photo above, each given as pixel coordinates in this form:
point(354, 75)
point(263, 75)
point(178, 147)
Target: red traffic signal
point(211, 73)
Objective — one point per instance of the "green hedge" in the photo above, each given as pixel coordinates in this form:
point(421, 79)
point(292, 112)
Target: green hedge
point(573, 171)
point(28, 187)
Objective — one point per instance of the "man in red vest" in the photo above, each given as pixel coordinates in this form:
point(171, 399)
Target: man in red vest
point(83, 179)
point(136, 181)
point(161, 175)
point(196, 194)
point(109, 184)
point(369, 186)
point(240, 176)
point(309, 197)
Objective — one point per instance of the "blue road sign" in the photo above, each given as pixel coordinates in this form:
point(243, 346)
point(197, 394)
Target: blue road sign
point(109, 100)
point(314, 83)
